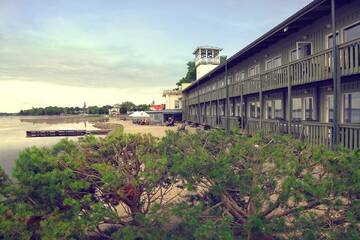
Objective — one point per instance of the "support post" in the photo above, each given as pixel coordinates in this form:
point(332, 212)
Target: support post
point(289, 101)
point(261, 103)
point(198, 102)
point(242, 106)
point(336, 78)
point(227, 100)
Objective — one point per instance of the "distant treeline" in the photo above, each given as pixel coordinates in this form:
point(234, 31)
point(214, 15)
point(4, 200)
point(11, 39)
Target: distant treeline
point(8, 114)
point(64, 110)
point(53, 110)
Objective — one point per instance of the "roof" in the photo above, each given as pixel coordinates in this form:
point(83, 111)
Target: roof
point(305, 16)
point(171, 92)
point(207, 47)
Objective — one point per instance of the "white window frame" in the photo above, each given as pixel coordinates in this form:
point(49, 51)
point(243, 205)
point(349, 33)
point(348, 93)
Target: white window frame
point(257, 104)
point(327, 38)
point(344, 28)
point(327, 108)
point(303, 110)
point(297, 48)
point(271, 60)
point(257, 66)
point(290, 51)
point(343, 112)
point(242, 75)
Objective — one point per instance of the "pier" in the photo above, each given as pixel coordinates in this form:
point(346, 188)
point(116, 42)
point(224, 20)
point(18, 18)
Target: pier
point(65, 133)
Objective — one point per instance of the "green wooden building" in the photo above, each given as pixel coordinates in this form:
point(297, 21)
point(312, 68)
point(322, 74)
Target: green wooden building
point(285, 81)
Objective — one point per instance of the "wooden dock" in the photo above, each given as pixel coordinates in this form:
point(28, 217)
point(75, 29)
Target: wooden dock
point(65, 133)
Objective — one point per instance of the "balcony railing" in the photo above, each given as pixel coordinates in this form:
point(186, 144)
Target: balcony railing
point(316, 67)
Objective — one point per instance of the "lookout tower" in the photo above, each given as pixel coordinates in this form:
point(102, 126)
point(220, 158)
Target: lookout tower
point(206, 59)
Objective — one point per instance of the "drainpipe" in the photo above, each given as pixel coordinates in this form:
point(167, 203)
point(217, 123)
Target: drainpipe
point(289, 101)
point(227, 100)
point(336, 78)
point(261, 102)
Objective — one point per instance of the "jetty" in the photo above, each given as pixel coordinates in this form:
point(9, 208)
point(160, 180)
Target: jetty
point(65, 133)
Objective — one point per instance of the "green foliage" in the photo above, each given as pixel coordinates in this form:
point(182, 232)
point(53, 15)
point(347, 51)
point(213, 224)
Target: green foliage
point(126, 107)
point(125, 186)
point(190, 74)
point(53, 110)
point(191, 71)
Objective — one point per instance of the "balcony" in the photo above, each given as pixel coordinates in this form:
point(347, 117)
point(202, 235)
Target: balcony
point(316, 67)
point(310, 132)
point(207, 60)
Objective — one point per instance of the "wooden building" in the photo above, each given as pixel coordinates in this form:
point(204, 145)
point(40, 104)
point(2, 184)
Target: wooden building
point(285, 81)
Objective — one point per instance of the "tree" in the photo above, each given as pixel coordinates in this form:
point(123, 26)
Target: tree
point(142, 107)
point(190, 75)
point(126, 107)
point(191, 71)
point(237, 187)
point(223, 59)
point(97, 186)
point(273, 187)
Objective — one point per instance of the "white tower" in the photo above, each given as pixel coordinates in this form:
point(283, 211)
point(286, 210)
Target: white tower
point(206, 59)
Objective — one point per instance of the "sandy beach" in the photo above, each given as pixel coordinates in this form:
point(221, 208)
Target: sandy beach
point(157, 131)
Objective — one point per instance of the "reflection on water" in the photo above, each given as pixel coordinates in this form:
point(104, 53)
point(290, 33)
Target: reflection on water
point(13, 139)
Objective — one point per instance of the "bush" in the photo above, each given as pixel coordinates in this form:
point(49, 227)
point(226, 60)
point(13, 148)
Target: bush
point(125, 186)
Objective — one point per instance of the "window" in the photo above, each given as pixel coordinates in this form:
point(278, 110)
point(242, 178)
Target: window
point(352, 32)
point(222, 109)
point(329, 40)
point(274, 109)
point(330, 108)
point(209, 53)
point(303, 49)
point(352, 107)
point(293, 55)
point(303, 109)
point(177, 104)
point(238, 108)
point(254, 70)
point(242, 75)
point(273, 63)
point(203, 53)
point(254, 109)
point(309, 109)
point(297, 109)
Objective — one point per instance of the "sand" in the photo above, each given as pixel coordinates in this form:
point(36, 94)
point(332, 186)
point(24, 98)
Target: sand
point(157, 131)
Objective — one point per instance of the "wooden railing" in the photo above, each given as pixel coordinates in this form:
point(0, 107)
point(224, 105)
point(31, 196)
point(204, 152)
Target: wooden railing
point(251, 85)
point(350, 57)
point(275, 78)
point(318, 133)
point(313, 68)
point(309, 132)
point(350, 135)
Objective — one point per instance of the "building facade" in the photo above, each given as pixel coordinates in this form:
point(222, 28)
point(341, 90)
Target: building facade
point(172, 99)
point(284, 80)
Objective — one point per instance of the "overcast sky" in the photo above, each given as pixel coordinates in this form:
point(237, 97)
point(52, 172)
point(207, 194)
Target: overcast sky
point(65, 52)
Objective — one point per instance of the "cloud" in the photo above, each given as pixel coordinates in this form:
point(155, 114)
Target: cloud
point(24, 95)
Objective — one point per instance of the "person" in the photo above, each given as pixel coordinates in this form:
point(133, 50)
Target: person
point(170, 122)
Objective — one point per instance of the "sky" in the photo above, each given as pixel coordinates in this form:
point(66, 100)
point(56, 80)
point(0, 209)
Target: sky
point(65, 52)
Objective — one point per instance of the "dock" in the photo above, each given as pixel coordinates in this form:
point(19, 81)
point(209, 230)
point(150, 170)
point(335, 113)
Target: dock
point(65, 133)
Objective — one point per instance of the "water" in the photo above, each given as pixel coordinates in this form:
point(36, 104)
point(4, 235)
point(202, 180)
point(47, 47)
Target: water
point(13, 139)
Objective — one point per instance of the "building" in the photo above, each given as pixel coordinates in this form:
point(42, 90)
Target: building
point(284, 80)
point(157, 107)
point(172, 99)
point(207, 58)
point(115, 110)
